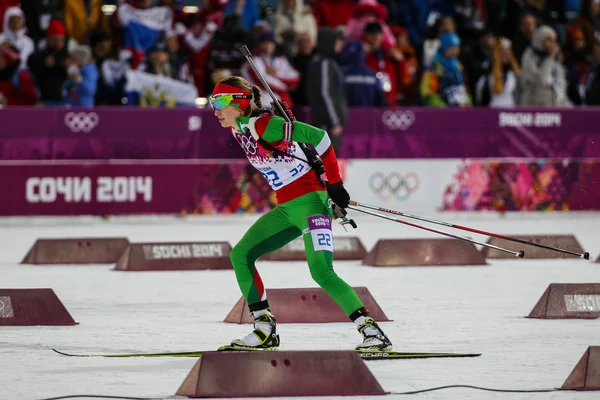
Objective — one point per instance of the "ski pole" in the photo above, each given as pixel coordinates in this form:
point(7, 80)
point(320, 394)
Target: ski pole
point(585, 255)
point(520, 254)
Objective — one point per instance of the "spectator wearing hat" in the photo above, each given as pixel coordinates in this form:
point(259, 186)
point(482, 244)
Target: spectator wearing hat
point(443, 83)
point(48, 65)
point(365, 12)
point(5, 5)
point(331, 13)
point(82, 81)
point(83, 17)
point(325, 87)
point(275, 68)
point(543, 81)
point(16, 85)
point(379, 60)
point(363, 89)
point(14, 32)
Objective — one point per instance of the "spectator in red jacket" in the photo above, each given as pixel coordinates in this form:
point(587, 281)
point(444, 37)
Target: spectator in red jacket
point(16, 85)
point(379, 60)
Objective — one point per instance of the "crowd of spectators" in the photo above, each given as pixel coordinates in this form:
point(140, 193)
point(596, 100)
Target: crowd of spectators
point(326, 54)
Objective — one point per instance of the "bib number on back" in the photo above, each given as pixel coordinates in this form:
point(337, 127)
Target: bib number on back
point(319, 227)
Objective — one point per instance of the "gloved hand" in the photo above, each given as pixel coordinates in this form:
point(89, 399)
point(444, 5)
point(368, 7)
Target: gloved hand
point(338, 194)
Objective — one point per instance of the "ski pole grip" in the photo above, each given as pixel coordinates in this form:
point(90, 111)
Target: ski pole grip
point(353, 203)
point(245, 51)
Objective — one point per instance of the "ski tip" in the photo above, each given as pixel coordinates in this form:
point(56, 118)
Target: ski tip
point(61, 353)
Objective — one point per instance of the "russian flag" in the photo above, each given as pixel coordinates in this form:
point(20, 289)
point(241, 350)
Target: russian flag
point(143, 26)
point(149, 90)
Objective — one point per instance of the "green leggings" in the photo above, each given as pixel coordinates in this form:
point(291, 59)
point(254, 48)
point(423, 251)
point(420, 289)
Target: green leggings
point(280, 226)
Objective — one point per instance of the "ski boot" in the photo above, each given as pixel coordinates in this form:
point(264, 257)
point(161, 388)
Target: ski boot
point(373, 337)
point(263, 337)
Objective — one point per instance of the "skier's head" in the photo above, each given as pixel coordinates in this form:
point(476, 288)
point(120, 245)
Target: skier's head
point(232, 98)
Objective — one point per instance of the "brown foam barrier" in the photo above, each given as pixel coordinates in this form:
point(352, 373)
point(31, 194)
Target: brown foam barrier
point(84, 250)
point(175, 256)
point(565, 242)
point(423, 252)
point(305, 305)
point(280, 374)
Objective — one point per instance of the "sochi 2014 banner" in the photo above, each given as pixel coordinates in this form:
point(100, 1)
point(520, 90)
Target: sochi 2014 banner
point(113, 188)
point(227, 186)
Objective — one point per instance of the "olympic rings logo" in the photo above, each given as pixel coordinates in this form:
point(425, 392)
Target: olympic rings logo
point(394, 185)
point(81, 122)
point(398, 120)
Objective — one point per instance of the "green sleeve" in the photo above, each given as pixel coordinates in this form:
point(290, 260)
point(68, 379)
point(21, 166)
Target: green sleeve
point(274, 128)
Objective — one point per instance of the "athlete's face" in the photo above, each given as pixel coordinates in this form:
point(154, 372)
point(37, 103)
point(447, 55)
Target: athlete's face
point(227, 116)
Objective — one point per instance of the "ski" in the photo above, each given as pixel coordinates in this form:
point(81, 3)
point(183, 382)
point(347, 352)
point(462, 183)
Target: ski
point(365, 355)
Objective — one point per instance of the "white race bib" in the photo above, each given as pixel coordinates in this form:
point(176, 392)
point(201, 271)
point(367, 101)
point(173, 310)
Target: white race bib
point(319, 227)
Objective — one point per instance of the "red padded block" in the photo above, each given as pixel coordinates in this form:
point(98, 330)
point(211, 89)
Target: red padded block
point(568, 300)
point(344, 249)
point(305, 305)
point(586, 374)
point(85, 250)
point(175, 256)
point(423, 252)
point(29, 307)
point(565, 242)
point(280, 374)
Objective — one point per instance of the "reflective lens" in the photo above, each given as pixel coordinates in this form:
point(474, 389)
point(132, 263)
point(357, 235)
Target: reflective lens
point(220, 101)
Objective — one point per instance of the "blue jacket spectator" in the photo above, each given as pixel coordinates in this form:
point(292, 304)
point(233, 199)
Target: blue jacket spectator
point(443, 84)
point(363, 89)
point(80, 87)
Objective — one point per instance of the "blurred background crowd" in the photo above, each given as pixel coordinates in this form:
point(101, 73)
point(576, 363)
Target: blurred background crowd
point(326, 54)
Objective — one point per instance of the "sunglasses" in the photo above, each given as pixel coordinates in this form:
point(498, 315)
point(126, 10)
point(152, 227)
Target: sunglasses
point(219, 101)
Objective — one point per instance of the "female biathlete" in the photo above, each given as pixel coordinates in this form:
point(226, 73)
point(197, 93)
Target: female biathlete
point(302, 209)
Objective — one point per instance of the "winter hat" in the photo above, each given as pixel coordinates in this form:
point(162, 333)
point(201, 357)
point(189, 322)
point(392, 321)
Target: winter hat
point(369, 6)
point(449, 39)
point(56, 28)
point(540, 34)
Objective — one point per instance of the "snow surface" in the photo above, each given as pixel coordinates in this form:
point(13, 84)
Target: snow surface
point(454, 309)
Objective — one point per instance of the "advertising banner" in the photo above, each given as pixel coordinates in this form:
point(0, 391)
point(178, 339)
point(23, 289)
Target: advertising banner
point(228, 186)
point(408, 185)
point(191, 133)
point(93, 188)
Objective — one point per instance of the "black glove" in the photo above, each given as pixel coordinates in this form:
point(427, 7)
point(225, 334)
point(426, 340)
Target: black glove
point(338, 194)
